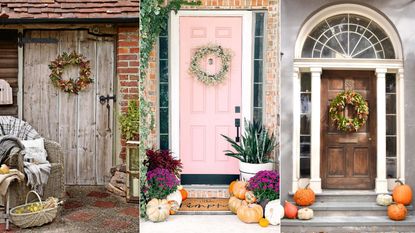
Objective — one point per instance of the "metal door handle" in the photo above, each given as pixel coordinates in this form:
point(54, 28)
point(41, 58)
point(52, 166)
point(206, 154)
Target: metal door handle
point(106, 99)
point(237, 125)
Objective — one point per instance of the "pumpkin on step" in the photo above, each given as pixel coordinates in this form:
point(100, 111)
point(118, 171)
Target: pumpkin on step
point(249, 213)
point(158, 210)
point(234, 204)
point(402, 193)
point(397, 212)
point(231, 187)
point(304, 196)
point(274, 212)
point(250, 197)
point(174, 207)
point(175, 196)
point(183, 192)
point(290, 210)
point(305, 214)
point(384, 199)
point(239, 189)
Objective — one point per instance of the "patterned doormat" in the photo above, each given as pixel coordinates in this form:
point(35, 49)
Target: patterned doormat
point(205, 204)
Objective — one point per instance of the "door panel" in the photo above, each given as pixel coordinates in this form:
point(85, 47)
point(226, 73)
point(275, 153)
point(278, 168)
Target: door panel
point(78, 122)
point(206, 111)
point(348, 159)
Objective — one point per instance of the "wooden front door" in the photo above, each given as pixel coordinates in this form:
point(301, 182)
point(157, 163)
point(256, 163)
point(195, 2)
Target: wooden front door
point(207, 111)
point(348, 160)
point(80, 123)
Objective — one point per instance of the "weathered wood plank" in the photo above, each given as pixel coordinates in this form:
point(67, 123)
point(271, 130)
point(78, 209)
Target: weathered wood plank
point(68, 106)
point(105, 71)
point(86, 118)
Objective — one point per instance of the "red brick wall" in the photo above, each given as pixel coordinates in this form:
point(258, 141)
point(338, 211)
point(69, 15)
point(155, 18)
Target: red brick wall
point(127, 70)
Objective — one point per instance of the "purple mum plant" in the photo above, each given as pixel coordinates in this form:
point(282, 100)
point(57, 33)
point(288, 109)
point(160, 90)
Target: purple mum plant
point(161, 182)
point(265, 185)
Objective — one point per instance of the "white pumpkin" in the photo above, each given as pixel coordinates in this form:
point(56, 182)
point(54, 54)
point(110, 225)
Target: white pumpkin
point(305, 214)
point(158, 210)
point(175, 196)
point(274, 212)
point(384, 199)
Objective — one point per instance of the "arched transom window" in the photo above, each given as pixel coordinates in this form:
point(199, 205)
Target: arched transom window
point(348, 36)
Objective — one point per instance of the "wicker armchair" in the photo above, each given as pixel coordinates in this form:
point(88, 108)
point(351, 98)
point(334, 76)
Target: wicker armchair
point(56, 182)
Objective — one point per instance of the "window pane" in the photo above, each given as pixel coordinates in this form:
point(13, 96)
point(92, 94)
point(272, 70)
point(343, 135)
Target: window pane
point(391, 125)
point(305, 167)
point(164, 70)
point(390, 104)
point(164, 120)
point(258, 114)
point(164, 95)
point(305, 149)
point(257, 95)
point(390, 83)
point(306, 103)
point(391, 167)
point(390, 146)
point(305, 124)
point(258, 47)
point(259, 24)
point(163, 53)
point(258, 71)
point(305, 82)
point(164, 142)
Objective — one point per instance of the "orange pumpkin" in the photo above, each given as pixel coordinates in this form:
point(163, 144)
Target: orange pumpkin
point(234, 204)
point(184, 194)
point(250, 213)
point(397, 212)
point(290, 210)
point(304, 196)
point(250, 197)
point(239, 189)
point(231, 186)
point(402, 193)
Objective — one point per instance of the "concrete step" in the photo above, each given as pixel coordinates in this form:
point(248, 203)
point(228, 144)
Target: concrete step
point(348, 224)
point(350, 209)
point(204, 213)
point(345, 196)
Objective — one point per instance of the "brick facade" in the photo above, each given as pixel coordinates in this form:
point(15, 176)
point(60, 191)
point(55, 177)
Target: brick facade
point(127, 70)
point(271, 54)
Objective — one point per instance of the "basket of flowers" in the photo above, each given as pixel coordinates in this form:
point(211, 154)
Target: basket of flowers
point(35, 213)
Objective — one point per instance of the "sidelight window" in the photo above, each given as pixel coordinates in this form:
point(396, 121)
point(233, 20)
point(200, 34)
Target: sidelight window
point(305, 132)
point(163, 89)
point(258, 66)
point(391, 122)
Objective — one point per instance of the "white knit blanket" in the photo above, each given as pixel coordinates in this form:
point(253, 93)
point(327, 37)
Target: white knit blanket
point(37, 175)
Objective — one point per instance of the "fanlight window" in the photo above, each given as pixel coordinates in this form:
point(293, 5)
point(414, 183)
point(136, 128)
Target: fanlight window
point(348, 36)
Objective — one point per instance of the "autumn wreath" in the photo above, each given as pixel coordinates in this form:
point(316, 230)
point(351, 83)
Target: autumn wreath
point(72, 85)
point(204, 76)
point(338, 105)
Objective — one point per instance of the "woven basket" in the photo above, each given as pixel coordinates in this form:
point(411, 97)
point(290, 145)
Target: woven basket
point(34, 219)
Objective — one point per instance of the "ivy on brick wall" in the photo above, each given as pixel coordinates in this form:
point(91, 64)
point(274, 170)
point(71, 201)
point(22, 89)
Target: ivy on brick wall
point(153, 19)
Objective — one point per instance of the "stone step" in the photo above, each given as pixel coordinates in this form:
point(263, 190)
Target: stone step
point(204, 213)
point(351, 209)
point(207, 191)
point(348, 224)
point(345, 196)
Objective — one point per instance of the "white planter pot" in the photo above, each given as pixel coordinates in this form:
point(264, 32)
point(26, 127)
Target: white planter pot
point(249, 170)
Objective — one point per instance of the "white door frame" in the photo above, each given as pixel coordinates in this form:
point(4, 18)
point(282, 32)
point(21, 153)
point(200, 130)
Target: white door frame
point(174, 64)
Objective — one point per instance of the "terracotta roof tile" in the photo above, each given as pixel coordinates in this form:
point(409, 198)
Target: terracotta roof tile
point(51, 9)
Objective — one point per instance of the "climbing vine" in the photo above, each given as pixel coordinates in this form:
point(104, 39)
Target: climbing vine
point(154, 16)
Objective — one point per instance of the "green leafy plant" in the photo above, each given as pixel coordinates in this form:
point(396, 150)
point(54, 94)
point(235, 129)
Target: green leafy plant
point(129, 121)
point(153, 19)
point(256, 145)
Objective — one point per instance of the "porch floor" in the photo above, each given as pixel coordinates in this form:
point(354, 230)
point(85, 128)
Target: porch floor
point(90, 209)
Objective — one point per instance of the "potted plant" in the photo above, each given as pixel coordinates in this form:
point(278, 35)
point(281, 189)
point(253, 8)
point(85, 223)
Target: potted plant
point(254, 150)
point(129, 121)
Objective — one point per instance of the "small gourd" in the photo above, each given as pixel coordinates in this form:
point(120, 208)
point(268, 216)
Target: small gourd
point(234, 204)
point(304, 196)
point(274, 212)
point(290, 210)
point(263, 222)
point(305, 214)
point(397, 212)
point(250, 197)
point(250, 213)
point(175, 196)
point(402, 193)
point(183, 192)
point(174, 207)
point(158, 210)
point(384, 199)
point(239, 189)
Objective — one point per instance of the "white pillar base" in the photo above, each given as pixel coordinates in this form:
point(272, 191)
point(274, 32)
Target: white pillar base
point(381, 186)
point(294, 186)
point(315, 185)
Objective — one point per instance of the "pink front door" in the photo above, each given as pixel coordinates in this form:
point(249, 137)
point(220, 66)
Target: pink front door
point(207, 111)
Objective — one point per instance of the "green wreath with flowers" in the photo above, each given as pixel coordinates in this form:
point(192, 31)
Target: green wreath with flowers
point(339, 104)
point(73, 85)
point(202, 75)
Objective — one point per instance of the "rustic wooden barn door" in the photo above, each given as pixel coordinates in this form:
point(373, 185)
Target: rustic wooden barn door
point(80, 123)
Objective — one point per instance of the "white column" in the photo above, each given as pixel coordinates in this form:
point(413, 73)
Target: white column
point(381, 182)
point(315, 181)
point(401, 125)
point(296, 129)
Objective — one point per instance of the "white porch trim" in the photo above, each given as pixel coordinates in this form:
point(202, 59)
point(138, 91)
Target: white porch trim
point(20, 60)
point(174, 64)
